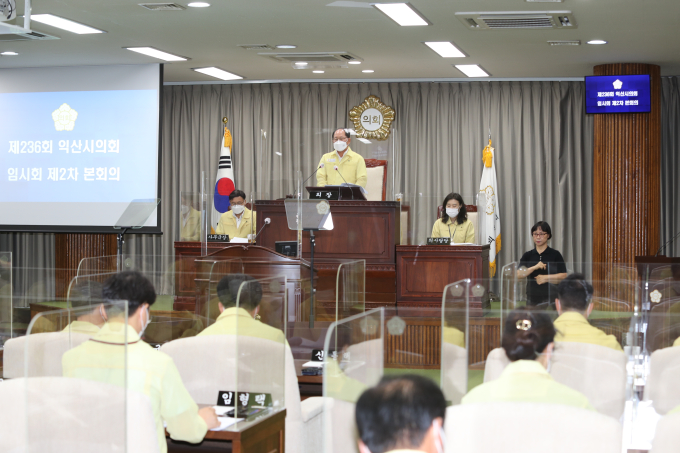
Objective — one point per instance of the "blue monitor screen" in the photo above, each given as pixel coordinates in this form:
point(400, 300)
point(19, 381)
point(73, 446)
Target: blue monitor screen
point(618, 94)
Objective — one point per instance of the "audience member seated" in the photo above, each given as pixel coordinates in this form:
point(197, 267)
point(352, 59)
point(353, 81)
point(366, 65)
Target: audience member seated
point(402, 413)
point(251, 295)
point(574, 305)
point(150, 372)
point(528, 341)
point(83, 295)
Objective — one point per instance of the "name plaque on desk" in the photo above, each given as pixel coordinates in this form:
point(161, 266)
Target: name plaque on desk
point(438, 241)
point(324, 195)
point(218, 238)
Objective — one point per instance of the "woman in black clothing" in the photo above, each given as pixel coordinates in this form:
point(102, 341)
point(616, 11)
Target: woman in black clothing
point(543, 267)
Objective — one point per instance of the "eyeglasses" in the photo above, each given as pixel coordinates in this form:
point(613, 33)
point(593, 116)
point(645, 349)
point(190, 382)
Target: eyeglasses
point(539, 235)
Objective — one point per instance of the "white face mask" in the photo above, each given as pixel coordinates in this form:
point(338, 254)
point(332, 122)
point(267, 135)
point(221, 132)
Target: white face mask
point(184, 209)
point(452, 212)
point(148, 321)
point(238, 209)
point(340, 146)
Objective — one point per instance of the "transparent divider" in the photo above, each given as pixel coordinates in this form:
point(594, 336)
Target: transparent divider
point(455, 340)
point(6, 298)
point(353, 362)
point(189, 221)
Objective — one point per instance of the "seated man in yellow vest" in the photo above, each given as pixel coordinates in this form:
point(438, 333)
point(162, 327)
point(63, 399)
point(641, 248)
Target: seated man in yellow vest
point(574, 306)
point(190, 220)
point(342, 165)
point(248, 306)
point(239, 221)
point(85, 298)
point(117, 355)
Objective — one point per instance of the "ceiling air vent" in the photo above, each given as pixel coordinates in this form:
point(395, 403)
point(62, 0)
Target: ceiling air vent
point(565, 43)
point(313, 59)
point(23, 36)
point(162, 6)
point(517, 20)
point(255, 46)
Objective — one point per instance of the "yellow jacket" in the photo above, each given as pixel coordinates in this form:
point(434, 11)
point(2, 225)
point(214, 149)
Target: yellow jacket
point(191, 226)
point(464, 232)
point(227, 224)
point(352, 167)
point(526, 381)
point(225, 324)
point(82, 327)
point(574, 327)
point(452, 335)
point(149, 372)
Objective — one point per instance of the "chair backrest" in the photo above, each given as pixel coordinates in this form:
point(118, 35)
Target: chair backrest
point(667, 434)
point(44, 353)
point(65, 415)
point(376, 179)
point(454, 372)
point(662, 383)
point(596, 371)
point(471, 213)
point(542, 427)
point(340, 432)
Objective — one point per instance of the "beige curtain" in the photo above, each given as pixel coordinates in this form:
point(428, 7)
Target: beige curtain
point(670, 164)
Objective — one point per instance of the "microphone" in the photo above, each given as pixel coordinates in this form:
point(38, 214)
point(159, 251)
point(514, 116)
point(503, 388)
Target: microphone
point(343, 178)
point(664, 246)
point(317, 169)
point(267, 221)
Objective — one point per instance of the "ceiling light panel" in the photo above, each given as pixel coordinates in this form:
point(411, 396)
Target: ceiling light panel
point(597, 42)
point(445, 49)
point(218, 73)
point(155, 53)
point(402, 13)
point(472, 70)
point(64, 24)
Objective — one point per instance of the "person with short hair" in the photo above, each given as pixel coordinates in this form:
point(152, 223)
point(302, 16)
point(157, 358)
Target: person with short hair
point(341, 163)
point(528, 340)
point(248, 307)
point(239, 221)
point(543, 267)
point(574, 304)
point(117, 355)
point(190, 229)
point(86, 298)
point(402, 413)
point(454, 221)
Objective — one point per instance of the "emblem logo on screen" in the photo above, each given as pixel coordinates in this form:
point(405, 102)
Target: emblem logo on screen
point(617, 84)
point(64, 118)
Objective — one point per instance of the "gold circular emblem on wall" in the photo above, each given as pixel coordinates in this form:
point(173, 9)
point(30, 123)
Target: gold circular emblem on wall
point(372, 119)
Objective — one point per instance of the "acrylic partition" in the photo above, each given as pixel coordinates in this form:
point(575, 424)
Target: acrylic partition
point(6, 293)
point(189, 217)
point(353, 362)
point(455, 319)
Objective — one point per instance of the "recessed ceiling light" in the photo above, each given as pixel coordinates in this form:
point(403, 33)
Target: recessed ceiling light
point(155, 53)
point(217, 73)
point(354, 62)
point(471, 70)
point(301, 63)
point(286, 46)
point(445, 49)
point(317, 72)
point(368, 70)
point(199, 4)
point(64, 24)
point(402, 13)
point(597, 41)
point(9, 54)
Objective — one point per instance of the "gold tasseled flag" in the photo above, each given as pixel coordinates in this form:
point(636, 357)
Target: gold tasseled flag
point(487, 155)
point(227, 138)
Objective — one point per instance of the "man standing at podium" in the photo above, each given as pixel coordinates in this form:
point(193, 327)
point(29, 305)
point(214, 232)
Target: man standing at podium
point(342, 165)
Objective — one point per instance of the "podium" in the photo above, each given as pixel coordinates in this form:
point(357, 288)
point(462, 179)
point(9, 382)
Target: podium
point(347, 192)
point(646, 264)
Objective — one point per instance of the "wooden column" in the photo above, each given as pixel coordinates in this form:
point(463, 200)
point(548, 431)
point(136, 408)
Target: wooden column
point(71, 248)
point(626, 195)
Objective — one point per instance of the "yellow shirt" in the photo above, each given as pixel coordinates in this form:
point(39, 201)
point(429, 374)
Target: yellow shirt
point(149, 372)
point(574, 327)
point(227, 224)
point(454, 336)
point(82, 327)
point(225, 324)
point(352, 167)
point(526, 381)
point(677, 343)
point(191, 226)
point(464, 232)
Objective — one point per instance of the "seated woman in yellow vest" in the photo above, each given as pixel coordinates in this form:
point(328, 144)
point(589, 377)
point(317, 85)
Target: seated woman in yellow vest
point(528, 342)
point(574, 305)
point(239, 221)
point(454, 223)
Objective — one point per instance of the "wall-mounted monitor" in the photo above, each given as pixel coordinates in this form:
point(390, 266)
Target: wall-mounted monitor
point(78, 145)
point(618, 94)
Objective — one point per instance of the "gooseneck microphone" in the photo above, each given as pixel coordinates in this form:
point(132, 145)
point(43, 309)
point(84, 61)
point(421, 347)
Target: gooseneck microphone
point(267, 221)
point(343, 178)
point(317, 169)
point(664, 246)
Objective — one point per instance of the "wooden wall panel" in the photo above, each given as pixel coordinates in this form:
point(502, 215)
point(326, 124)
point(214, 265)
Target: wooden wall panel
point(70, 248)
point(626, 191)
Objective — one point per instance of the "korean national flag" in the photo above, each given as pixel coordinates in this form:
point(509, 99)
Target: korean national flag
point(224, 185)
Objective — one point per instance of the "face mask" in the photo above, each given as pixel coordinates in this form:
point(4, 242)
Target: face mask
point(452, 212)
point(184, 209)
point(238, 209)
point(340, 146)
point(146, 324)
